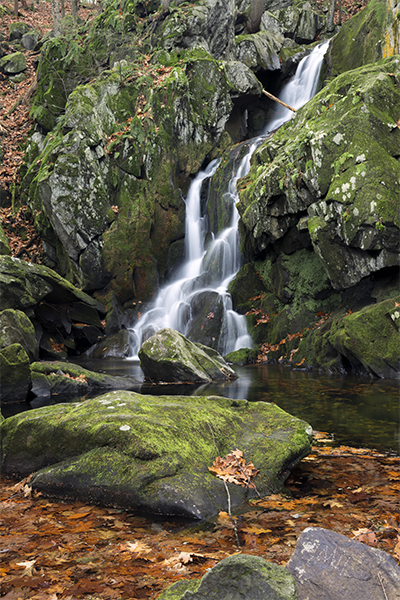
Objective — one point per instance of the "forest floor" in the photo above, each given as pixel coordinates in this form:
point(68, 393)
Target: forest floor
point(53, 550)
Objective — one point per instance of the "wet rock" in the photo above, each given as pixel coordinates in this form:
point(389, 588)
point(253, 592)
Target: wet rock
point(328, 565)
point(56, 378)
point(169, 356)
point(111, 346)
point(152, 452)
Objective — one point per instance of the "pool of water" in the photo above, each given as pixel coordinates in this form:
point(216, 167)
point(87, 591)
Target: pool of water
point(359, 412)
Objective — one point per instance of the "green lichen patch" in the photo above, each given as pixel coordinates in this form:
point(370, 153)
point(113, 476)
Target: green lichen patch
point(151, 452)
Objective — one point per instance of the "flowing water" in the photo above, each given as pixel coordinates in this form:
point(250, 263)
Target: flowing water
point(177, 303)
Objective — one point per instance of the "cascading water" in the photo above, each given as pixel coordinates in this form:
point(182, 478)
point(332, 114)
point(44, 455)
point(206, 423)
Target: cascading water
point(204, 278)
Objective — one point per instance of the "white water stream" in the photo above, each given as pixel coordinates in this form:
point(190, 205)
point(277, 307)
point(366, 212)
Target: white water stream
point(196, 282)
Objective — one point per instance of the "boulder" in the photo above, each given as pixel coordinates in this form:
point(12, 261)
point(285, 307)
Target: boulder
point(328, 565)
point(16, 328)
point(170, 357)
point(152, 453)
point(23, 285)
point(366, 341)
point(15, 374)
point(111, 346)
point(17, 30)
point(56, 378)
point(236, 577)
point(30, 40)
point(12, 64)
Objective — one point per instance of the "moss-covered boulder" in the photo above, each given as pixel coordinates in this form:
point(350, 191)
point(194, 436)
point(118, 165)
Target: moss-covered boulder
point(16, 328)
point(337, 159)
point(23, 285)
point(169, 356)
point(235, 577)
point(12, 64)
point(360, 40)
point(365, 341)
point(152, 453)
point(56, 378)
point(15, 374)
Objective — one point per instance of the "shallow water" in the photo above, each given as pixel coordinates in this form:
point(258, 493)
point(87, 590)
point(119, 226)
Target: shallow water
point(359, 412)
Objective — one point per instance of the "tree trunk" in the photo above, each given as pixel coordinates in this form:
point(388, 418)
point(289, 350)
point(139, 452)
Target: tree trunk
point(74, 11)
point(55, 9)
point(16, 8)
point(62, 9)
point(331, 16)
point(256, 11)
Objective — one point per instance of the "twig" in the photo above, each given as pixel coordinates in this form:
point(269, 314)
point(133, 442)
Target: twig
point(381, 582)
point(234, 521)
point(279, 101)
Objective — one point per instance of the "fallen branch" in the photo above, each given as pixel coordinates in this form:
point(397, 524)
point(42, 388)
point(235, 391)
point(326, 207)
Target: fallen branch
point(279, 101)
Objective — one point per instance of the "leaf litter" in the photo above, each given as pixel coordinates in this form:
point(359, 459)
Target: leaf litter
point(53, 550)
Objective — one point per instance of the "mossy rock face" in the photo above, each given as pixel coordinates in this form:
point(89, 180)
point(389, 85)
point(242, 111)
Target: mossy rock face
point(16, 328)
point(360, 40)
point(152, 453)
point(238, 576)
point(365, 341)
point(24, 285)
point(15, 375)
point(327, 161)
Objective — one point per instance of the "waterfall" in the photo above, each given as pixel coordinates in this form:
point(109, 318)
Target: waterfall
point(200, 286)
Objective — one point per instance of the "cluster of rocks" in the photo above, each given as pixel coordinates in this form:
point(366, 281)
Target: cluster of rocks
point(325, 564)
point(44, 316)
point(12, 59)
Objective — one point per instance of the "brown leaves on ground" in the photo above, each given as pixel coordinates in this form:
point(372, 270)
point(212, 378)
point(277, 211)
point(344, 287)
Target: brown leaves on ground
point(22, 236)
point(63, 551)
point(234, 469)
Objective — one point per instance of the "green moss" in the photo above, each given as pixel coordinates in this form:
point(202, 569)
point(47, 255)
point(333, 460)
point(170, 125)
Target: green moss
point(359, 40)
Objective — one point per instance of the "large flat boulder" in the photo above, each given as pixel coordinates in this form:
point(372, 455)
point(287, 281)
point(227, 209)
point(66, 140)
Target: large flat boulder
point(170, 357)
point(152, 453)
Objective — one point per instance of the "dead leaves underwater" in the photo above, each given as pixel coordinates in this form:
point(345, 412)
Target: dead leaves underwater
point(61, 551)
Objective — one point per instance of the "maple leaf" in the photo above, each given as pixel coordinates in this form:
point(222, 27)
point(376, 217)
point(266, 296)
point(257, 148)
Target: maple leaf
point(234, 469)
point(28, 564)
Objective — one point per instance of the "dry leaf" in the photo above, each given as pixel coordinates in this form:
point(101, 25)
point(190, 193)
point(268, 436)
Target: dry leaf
point(28, 564)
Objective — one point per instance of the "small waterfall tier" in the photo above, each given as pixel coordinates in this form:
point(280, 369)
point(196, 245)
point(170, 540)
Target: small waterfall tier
point(197, 302)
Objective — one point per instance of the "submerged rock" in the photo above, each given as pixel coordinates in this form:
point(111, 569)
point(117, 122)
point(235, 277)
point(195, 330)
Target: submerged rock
point(169, 356)
point(152, 452)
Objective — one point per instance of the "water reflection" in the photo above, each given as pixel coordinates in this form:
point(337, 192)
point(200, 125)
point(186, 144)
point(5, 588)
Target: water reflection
point(358, 412)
